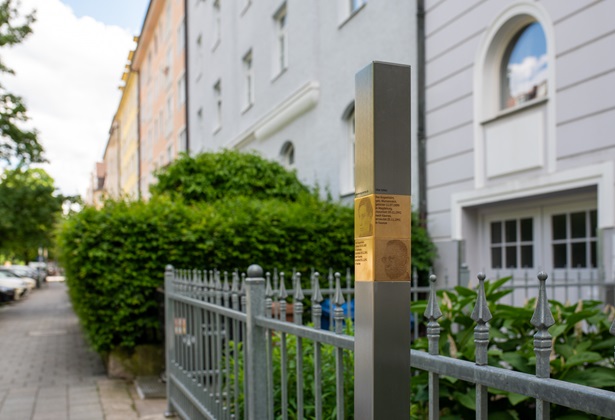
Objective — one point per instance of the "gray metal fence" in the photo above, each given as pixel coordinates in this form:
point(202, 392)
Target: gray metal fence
point(236, 349)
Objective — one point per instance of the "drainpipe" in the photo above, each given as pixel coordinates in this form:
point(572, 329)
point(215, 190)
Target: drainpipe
point(138, 74)
point(186, 78)
point(422, 146)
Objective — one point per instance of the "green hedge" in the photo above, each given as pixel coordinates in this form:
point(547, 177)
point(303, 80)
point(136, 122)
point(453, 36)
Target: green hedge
point(229, 173)
point(213, 211)
point(114, 258)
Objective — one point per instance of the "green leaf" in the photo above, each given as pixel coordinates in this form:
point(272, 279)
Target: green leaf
point(517, 398)
point(517, 361)
point(582, 358)
point(467, 399)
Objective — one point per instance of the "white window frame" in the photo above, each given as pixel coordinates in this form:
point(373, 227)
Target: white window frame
point(487, 75)
point(348, 150)
point(280, 55)
point(181, 36)
point(181, 90)
point(217, 96)
point(549, 212)
point(347, 9)
point(287, 155)
point(248, 80)
point(217, 23)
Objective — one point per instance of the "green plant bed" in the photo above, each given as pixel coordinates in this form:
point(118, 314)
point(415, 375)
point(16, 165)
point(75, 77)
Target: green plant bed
point(583, 351)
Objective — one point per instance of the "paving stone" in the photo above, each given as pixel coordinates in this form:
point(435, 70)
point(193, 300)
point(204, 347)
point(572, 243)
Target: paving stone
point(48, 372)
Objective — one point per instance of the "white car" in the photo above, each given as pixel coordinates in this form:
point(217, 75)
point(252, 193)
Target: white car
point(23, 274)
point(13, 282)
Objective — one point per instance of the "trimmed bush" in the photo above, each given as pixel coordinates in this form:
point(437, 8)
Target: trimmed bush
point(214, 176)
point(114, 258)
point(213, 211)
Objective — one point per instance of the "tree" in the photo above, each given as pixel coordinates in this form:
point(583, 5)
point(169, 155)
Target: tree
point(229, 173)
point(16, 142)
point(28, 211)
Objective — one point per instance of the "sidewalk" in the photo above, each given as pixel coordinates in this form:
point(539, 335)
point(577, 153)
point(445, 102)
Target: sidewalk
point(47, 371)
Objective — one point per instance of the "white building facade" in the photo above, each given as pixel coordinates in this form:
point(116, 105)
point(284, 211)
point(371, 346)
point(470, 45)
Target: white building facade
point(278, 77)
point(520, 121)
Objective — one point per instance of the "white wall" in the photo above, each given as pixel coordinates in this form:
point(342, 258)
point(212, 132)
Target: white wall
point(322, 54)
point(579, 113)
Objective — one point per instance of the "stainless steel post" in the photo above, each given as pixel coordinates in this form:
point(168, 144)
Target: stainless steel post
point(169, 333)
point(382, 242)
point(257, 345)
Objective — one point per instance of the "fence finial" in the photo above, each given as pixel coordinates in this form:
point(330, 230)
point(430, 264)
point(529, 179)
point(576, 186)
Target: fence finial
point(316, 293)
point(338, 298)
point(225, 285)
point(268, 296)
point(542, 319)
point(481, 314)
point(316, 299)
point(268, 289)
point(283, 292)
point(298, 290)
point(432, 313)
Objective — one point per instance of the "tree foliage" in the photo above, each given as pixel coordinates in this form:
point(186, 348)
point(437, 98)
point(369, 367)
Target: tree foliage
point(16, 142)
point(212, 176)
point(28, 211)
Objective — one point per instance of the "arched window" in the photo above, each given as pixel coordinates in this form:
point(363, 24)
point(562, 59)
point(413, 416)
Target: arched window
point(514, 106)
point(524, 67)
point(347, 156)
point(287, 154)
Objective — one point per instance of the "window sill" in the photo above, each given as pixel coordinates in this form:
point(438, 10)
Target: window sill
point(245, 8)
point(247, 108)
point(516, 110)
point(351, 15)
point(279, 74)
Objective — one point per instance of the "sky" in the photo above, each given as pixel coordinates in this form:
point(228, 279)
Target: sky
point(68, 71)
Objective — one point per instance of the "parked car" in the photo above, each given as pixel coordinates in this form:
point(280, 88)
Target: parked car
point(8, 280)
point(28, 276)
point(6, 294)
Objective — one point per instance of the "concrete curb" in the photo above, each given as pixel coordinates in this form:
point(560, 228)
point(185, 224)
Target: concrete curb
point(120, 401)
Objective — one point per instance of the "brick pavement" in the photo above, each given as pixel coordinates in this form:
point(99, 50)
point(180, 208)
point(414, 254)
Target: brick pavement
point(47, 370)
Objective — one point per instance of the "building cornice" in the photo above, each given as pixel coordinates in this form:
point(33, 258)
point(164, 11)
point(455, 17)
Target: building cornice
point(298, 103)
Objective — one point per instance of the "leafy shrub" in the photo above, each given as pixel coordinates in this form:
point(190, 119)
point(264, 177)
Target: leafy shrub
point(114, 258)
point(213, 176)
point(217, 210)
point(583, 350)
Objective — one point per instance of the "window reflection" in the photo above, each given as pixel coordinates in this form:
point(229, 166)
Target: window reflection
point(524, 68)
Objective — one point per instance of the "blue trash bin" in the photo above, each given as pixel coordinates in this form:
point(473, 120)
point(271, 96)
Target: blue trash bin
point(327, 311)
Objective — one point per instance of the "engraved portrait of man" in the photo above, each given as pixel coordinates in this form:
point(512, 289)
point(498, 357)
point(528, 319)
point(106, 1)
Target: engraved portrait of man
point(396, 260)
point(365, 214)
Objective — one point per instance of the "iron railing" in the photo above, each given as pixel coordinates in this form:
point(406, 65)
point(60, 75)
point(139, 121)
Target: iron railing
point(228, 349)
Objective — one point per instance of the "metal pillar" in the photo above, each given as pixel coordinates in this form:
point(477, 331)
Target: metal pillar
point(256, 341)
point(169, 335)
point(382, 242)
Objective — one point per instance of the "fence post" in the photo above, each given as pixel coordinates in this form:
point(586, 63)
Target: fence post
point(613, 332)
point(542, 319)
point(433, 313)
point(169, 334)
point(481, 315)
point(382, 242)
point(256, 369)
